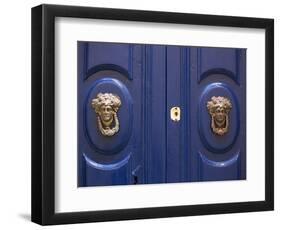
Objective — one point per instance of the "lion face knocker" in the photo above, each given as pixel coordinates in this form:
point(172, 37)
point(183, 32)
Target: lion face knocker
point(106, 106)
point(219, 108)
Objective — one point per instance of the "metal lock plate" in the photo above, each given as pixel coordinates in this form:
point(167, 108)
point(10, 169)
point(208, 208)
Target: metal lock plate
point(175, 114)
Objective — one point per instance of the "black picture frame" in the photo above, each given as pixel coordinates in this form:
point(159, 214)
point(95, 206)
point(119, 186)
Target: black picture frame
point(43, 114)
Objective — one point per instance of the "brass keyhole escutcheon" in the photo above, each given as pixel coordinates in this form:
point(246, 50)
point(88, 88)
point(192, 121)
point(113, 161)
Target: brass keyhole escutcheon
point(175, 114)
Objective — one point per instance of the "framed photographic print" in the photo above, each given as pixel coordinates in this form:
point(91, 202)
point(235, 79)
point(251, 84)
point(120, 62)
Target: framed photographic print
point(143, 114)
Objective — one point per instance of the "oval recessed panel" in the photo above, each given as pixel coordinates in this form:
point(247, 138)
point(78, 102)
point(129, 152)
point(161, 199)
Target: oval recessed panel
point(98, 141)
point(211, 140)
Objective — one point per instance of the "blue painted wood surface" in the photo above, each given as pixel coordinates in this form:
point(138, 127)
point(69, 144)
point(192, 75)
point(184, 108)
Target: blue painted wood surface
point(150, 147)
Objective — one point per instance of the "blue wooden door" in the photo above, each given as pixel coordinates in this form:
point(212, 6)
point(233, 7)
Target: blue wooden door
point(126, 134)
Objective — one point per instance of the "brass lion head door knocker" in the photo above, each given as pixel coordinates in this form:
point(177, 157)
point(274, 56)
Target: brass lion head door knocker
point(219, 108)
point(106, 106)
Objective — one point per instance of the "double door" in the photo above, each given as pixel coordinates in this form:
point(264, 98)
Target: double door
point(160, 114)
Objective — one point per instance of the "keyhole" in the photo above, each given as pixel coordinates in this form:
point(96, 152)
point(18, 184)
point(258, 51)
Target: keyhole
point(135, 179)
point(175, 114)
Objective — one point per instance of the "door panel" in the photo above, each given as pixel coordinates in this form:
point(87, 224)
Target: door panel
point(218, 77)
point(154, 108)
point(115, 69)
point(177, 96)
